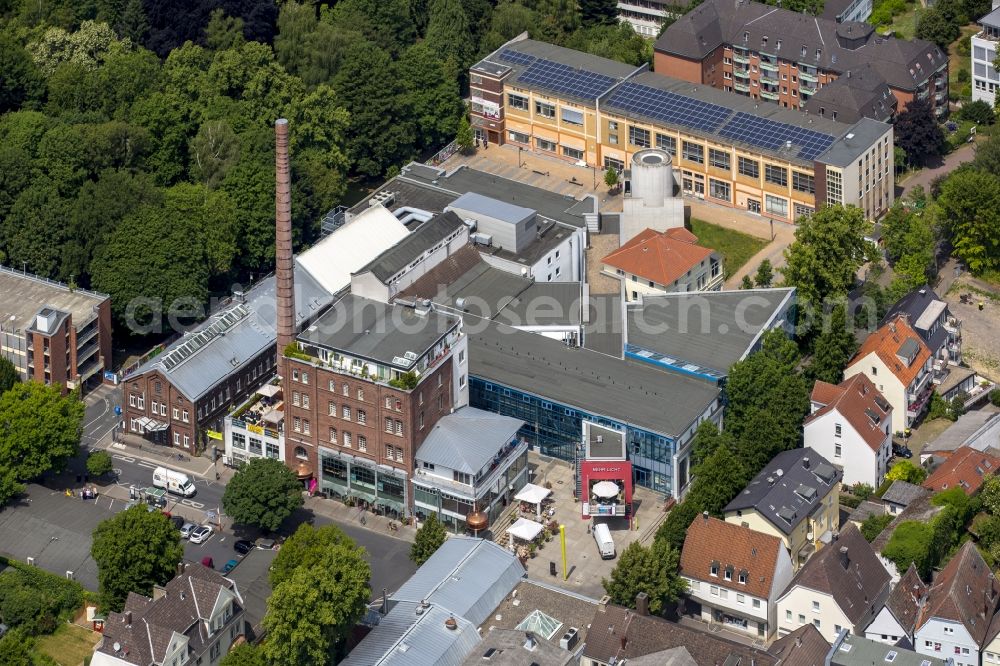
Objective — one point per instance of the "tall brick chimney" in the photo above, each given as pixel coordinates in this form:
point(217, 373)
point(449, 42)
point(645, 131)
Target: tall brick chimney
point(283, 258)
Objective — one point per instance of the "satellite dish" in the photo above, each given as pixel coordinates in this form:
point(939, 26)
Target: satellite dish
point(117, 646)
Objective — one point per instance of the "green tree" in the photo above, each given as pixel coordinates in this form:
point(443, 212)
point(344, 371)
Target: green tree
point(99, 464)
point(244, 655)
point(448, 33)
point(39, 429)
point(377, 138)
point(911, 543)
point(987, 154)
point(308, 47)
point(312, 611)
point(978, 112)
point(652, 570)
point(386, 23)
point(599, 12)
point(833, 348)
point(989, 493)
point(611, 178)
point(21, 82)
point(16, 648)
point(615, 42)
point(464, 136)
point(918, 132)
point(718, 479)
point(134, 550)
point(263, 493)
point(970, 207)
point(8, 375)
point(707, 439)
point(88, 46)
point(874, 525)
point(746, 282)
point(934, 26)
point(674, 528)
point(133, 24)
point(828, 250)
point(904, 470)
point(429, 538)
point(764, 275)
point(304, 549)
point(223, 31)
point(214, 149)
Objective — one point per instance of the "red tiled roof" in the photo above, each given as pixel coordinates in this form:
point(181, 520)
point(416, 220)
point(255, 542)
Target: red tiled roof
point(734, 547)
point(853, 399)
point(886, 343)
point(662, 257)
point(965, 468)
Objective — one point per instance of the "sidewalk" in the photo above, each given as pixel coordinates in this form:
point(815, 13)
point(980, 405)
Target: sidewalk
point(339, 512)
point(197, 466)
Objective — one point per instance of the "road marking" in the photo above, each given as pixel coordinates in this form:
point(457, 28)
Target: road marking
point(148, 465)
point(191, 503)
point(107, 406)
point(118, 456)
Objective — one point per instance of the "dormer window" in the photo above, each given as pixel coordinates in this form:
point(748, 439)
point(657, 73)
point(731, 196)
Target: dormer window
point(819, 52)
point(778, 45)
point(804, 50)
point(729, 573)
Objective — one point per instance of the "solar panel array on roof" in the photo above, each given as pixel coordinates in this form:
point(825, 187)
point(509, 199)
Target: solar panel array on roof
point(772, 135)
point(669, 107)
point(517, 57)
point(561, 78)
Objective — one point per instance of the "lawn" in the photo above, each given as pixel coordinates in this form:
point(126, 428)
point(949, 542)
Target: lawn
point(904, 25)
point(69, 645)
point(958, 61)
point(735, 247)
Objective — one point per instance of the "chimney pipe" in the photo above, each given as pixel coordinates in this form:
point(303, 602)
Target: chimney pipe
point(283, 260)
point(642, 603)
point(844, 560)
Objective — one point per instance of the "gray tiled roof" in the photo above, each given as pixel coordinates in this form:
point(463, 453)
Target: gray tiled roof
point(413, 246)
point(222, 355)
point(864, 93)
point(842, 46)
point(913, 305)
point(774, 492)
point(903, 493)
point(468, 439)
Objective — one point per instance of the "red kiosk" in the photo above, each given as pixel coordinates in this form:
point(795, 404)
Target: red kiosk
point(605, 474)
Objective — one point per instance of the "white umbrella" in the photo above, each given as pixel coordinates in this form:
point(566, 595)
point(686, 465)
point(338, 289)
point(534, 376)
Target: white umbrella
point(605, 489)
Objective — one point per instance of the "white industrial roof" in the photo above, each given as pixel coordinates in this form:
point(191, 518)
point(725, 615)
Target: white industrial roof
point(351, 247)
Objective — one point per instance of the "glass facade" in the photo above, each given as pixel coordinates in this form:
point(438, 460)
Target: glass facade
point(557, 430)
point(346, 476)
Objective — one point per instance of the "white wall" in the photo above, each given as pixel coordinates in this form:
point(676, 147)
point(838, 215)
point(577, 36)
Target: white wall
point(888, 385)
point(561, 263)
point(860, 463)
point(885, 624)
point(984, 77)
point(949, 635)
point(637, 217)
point(799, 601)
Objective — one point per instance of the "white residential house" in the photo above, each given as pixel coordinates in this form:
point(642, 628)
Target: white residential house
point(898, 618)
point(958, 620)
point(850, 425)
point(843, 586)
point(899, 364)
point(256, 429)
point(735, 574)
point(984, 53)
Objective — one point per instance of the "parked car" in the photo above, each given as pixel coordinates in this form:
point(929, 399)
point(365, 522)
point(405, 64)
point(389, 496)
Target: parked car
point(243, 546)
point(265, 544)
point(186, 529)
point(200, 534)
point(230, 565)
point(178, 521)
point(208, 562)
point(901, 451)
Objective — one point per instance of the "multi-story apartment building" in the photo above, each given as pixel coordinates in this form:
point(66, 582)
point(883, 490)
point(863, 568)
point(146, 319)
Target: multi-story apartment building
point(843, 11)
point(748, 154)
point(984, 53)
point(363, 387)
point(775, 54)
point(54, 333)
point(646, 16)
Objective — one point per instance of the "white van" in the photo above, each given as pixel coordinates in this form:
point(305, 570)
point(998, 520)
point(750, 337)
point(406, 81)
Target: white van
point(605, 544)
point(173, 482)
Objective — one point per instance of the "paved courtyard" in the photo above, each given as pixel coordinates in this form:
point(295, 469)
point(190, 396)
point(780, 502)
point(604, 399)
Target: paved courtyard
point(584, 563)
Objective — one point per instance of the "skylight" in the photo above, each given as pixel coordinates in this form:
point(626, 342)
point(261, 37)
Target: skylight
point(539, 623)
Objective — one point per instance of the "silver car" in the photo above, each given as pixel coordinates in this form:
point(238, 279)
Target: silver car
point(200, 534)
point(186, 529)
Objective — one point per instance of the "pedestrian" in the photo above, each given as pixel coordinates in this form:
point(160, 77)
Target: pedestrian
point(981, 305)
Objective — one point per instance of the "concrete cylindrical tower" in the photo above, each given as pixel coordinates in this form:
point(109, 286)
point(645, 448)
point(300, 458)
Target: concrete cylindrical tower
point(283, 258)
point(652, 177)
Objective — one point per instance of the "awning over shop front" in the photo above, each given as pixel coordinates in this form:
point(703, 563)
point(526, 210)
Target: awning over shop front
point(149, 425)
point(525, 529)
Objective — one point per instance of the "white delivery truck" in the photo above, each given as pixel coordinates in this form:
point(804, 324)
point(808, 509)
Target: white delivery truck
point(605, 544)
point(173, 482)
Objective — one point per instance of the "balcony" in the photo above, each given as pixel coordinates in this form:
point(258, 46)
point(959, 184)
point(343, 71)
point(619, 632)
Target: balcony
point(953, 325)
point(262, 414)
point(766, 66)
point(741, 73)
point(806, 76)
point(766, 94)
point(769, 80)
point(741, 58)
point(806, 90)
point(741, 87)
point(940, 84)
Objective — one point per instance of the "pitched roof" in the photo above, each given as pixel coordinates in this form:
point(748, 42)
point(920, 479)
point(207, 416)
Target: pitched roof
point(863, 94)
point(829, 45)
point(412, 246)
point(903, 493)
point(803, 647)
point(904, 598)
point(856, 579)
point(861, 404)
point(965, 468)
point(739, 551)
point(789, 488)
point(468, 439)
point(618, 633)
point(894, 343)
point(965, 591)
point(662, 257)
point(923, 307)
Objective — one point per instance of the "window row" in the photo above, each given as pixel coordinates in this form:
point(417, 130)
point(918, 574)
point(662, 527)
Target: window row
point(347, 440)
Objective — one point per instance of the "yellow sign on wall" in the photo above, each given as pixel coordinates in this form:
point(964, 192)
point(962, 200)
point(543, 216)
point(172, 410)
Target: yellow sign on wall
point(255, 429)
point(215, 435)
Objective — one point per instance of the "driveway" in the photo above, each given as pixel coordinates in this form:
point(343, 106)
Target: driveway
point(925, 176)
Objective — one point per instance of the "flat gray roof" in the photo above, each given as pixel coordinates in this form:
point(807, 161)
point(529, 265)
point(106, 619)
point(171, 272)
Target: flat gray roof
point(23, 295)
point(632, 393)
point(412, 246)
point(861, 651)
point(854, 143)
point(550, 236)
point(544, 304)
point(484, 205)
point(711, 329)
point(377, 331)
